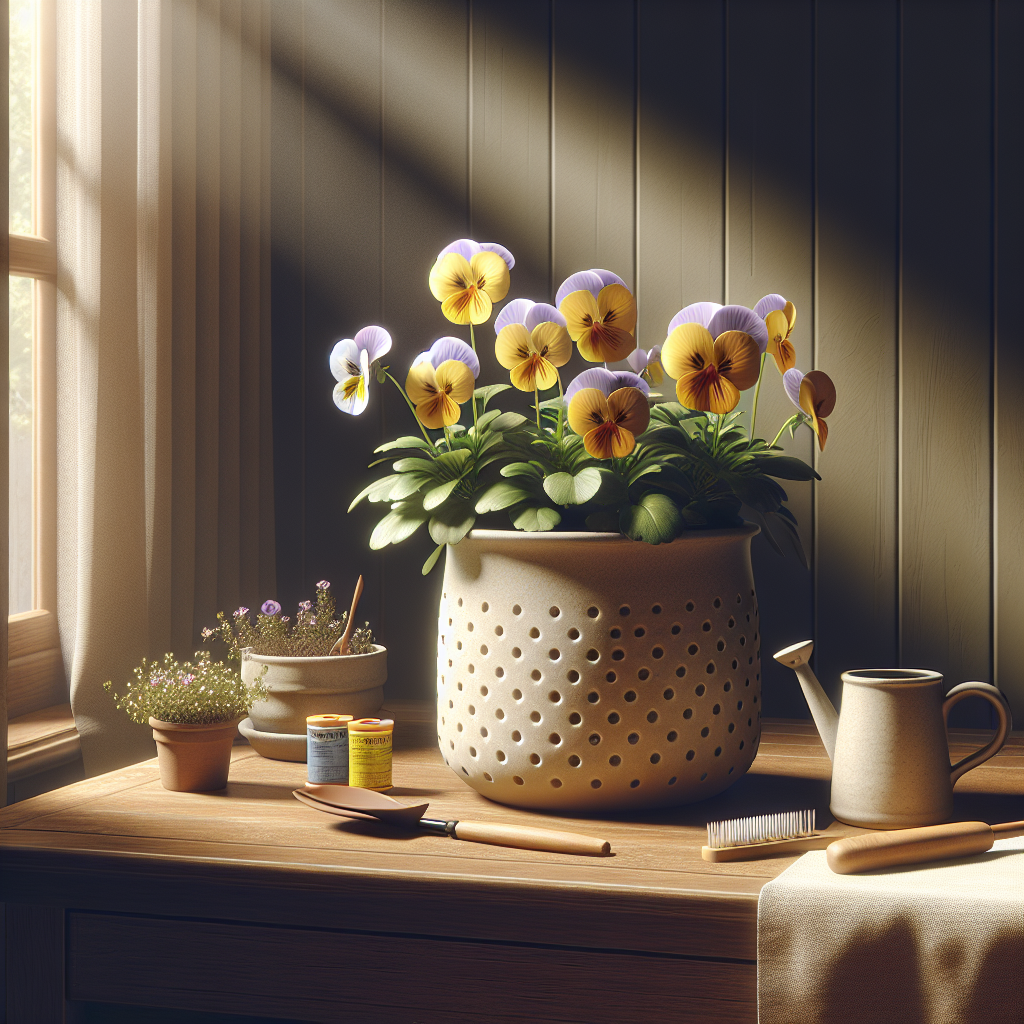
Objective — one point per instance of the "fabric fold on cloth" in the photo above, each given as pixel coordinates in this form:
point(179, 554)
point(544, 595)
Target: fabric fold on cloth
point(935, 943)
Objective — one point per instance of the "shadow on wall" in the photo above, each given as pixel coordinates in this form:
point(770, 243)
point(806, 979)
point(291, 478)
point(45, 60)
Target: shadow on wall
point(382, 155)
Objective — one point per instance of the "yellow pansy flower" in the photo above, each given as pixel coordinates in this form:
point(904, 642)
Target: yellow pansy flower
point(609, 424)
point(532, 356)
point(438, 393)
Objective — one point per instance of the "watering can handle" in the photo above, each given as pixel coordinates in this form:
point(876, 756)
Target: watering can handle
point(998, 701)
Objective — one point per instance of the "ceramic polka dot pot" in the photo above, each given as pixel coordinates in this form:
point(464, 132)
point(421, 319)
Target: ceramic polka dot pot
point(587, 672)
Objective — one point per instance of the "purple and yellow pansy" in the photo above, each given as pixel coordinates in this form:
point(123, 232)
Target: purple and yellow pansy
point(607, 413)
point(812, 393)
point(779, 317)
point(469, 277)
point(351, 360)
point(600, 314)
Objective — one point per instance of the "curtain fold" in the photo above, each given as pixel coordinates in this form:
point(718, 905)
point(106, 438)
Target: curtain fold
point(5, 262)
point(165, 512)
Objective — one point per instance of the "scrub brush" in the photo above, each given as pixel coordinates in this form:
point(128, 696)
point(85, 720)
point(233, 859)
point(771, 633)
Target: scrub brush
point(764, 835)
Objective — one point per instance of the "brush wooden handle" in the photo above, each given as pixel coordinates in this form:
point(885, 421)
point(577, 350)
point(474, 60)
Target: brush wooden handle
point(530, 838)
point(916, 845)
point(772, 848)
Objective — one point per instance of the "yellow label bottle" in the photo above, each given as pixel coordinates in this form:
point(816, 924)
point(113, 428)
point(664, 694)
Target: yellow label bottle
point(369, 753)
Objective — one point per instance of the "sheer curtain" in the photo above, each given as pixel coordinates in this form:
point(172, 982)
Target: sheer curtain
point(5, 253)
point(165, 489)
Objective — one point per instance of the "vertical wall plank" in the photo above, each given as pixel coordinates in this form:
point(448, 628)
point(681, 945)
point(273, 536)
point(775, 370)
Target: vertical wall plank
point(856, 344)
point(594, 142)
point(510, 182)
point(771, 249)
point(425, 206)
point(946, 370)
point(681, 162)
point(342, 287)
point(1009, 410)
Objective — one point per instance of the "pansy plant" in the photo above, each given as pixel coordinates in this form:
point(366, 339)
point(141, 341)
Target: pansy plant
point(601, 452)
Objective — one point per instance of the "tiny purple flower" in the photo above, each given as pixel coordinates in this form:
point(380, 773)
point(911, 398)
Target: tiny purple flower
point(270, 608)
point(285, 618)
point(323, 585)
point(239, 612)
point(306, 606)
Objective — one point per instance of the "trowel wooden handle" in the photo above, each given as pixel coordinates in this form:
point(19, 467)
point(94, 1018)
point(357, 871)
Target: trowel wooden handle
point(531, 838)
point(916, 845)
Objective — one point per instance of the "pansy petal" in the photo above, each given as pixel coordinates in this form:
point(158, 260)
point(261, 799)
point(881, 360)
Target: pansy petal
point(454, 348)
point(609, 440)
point(583, 280)
point(791, 381)
point(438, 411)
point(470, 306)
point(790, 311)
point(596, 377)
point(809, 403)
point(618, 307)
point(455, 378)
point(580, 310)
point(450, 275)
point(655, 373)
point(375, 341)
point(824, 390)
point(784, 354)
point(353, 394)
point(512, 346)
point(739, 318)
point(604, 343)
point(465, 247)
point(696, 313)
point(626, 379)
point(510, 260)
point(513, 312)
point(534, 373)
point(708, 391)
point(637, 360)
point(421, 383)
point(552, 341)
point(689, 347)
point(607, 277)
point(543, 312)
point(490, 274)
point(629, 409)
point(587, 409)
point(345, 359)
point(737, 358)
point(771, 301)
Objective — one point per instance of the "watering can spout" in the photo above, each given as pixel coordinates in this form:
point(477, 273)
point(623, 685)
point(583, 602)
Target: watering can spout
point(824, 714)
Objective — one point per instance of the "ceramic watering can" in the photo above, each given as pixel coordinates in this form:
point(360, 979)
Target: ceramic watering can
point(888, 747)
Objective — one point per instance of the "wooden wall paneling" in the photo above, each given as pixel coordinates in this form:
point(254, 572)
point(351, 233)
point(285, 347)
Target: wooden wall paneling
point(425, 124)
point(857, 235)
point(680, 162)
point(770, 248)
point(1009, 410)
point(510, 151)
point(287, 266)
point(593, 142)
point(343, 265)
point(946, 341)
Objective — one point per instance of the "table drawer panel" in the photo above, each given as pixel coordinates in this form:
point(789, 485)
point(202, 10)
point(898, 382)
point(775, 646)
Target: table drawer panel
point(335, 976)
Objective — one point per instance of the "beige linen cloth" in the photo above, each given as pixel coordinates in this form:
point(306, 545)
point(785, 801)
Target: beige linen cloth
point(936, 944)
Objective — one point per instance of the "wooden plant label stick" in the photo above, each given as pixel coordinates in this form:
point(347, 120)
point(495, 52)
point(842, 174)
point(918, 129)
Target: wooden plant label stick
point(341, 647)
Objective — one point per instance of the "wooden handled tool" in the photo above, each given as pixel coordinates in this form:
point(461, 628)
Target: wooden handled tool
point(527, 838)
point(916, 845)
point(341, 645)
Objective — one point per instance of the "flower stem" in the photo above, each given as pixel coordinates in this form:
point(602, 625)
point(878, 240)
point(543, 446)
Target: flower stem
point(718, 430)
point(561, 410)
point(536, 405)
point(412, 408)
point(757, 391)
point(472, 341)
point(795, 419)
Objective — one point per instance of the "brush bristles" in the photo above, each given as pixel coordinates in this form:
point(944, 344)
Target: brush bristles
point(764, 828)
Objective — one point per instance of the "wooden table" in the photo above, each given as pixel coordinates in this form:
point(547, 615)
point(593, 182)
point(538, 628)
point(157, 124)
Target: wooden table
point(245, 901)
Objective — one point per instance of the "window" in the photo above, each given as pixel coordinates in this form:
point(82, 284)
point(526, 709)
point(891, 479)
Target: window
point(35, 681)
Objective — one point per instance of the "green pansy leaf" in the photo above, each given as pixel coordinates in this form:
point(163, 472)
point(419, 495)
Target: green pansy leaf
point(654, 519)
point(401, 522)
point(529, 469)
point(432, 560)
point(508, 421)
point(485, 394)
point(414, 464)
point(404, 442)
point(536, 519)
point(379, 490)
point(501, 495)
point(486, 420)
point(643, 469)
point(565, 489)
point(451, 522)
point(453, 463)
point(785, 467)
point(436, 495)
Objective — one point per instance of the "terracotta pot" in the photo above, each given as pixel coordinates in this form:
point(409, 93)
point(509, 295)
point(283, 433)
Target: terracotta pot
point(194, 758)
point(352, 684)
point(583, 671)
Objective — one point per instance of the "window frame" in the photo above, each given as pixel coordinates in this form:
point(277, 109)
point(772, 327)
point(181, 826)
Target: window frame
point(36, 678)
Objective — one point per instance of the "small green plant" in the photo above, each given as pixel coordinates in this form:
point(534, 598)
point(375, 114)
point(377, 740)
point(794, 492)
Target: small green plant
point(312, 634)
point(199, 692)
